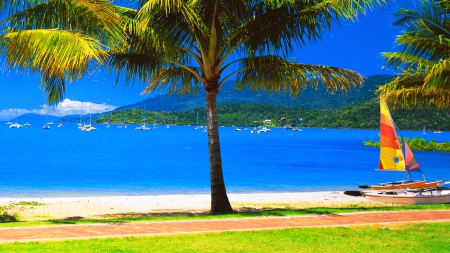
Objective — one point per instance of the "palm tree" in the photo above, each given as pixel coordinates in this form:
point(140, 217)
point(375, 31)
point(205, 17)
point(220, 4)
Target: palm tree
point(183, 46)
point(179, 47)
point(424, 62)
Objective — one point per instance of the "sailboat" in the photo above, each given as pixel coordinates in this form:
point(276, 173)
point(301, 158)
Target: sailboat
point(143, 127)
point(155, 125)
point(394, 157)
point(297, 125)
point(424, 130)
point(88, 128)
point(60, 121)
point(9, 122)
point(196, 127)
point(15, 124)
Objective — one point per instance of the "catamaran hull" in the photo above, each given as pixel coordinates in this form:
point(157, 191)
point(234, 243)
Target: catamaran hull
point(388, 186)
point(408, 199)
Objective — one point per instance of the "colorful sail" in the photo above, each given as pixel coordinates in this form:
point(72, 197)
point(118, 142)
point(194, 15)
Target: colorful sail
point(391, 155)
point(410, 161)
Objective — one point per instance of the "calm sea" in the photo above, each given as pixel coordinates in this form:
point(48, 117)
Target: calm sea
point(111, 161)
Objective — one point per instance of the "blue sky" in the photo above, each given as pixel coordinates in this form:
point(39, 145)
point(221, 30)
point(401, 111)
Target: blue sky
point(355, 45)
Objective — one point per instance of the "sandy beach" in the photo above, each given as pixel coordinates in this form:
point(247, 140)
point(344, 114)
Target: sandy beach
point(101, 207)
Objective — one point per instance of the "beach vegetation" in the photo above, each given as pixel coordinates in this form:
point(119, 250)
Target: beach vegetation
point(417, 143)
point(30, 203)
point(424, 60)
point(409, 237)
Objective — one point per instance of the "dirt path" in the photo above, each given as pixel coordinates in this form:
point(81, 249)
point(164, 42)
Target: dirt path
point(60, 232)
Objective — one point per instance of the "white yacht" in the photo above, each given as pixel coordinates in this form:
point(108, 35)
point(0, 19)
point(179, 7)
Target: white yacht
point(15, 125)
point(265, 130)
point(143, 127)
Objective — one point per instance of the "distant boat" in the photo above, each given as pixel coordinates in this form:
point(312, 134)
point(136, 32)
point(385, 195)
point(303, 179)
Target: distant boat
point(89, 127)
point(297, 125)
point(46, 126)
point(437, 132)
point(254, 130)
point(265, 130)
point(196, 127)
point(424, 130)
point(15, 125)
point(143, 127)
point(9, 122)
point(27, 124)
point(60, 121)
point(80, 125)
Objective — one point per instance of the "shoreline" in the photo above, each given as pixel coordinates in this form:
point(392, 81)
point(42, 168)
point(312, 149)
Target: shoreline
point(35, 208)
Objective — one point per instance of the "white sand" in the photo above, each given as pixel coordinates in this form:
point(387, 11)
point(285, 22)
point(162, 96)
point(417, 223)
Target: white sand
point(97, 207)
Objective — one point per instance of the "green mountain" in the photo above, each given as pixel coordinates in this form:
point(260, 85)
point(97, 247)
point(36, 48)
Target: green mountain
point(309, 98)
point(361, 115)
point(358, 108)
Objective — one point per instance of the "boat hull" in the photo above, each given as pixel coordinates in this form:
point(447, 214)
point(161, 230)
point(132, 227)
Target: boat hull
point(410, 199)
point(381, 187)
point(432, 184)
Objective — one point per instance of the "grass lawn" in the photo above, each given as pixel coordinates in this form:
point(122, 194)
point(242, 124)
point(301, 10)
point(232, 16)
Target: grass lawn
point(415, 237)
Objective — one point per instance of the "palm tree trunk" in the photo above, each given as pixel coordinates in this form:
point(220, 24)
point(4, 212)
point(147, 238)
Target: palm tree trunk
point(219, 198)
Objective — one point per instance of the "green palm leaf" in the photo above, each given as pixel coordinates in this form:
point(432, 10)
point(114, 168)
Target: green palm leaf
point(424, 62)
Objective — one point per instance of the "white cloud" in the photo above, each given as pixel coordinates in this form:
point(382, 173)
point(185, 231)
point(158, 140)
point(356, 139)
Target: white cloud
point(66, 107)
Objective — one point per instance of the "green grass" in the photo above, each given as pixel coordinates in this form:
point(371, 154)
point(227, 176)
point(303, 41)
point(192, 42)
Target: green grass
point(415, 237)
point(268, 210)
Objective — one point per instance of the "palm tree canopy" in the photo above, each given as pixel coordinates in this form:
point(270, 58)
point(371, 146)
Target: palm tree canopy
point(180, 45)
point(424, 61)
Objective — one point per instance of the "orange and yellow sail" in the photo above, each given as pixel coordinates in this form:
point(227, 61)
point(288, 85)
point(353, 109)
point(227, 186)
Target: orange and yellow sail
point(391, 155)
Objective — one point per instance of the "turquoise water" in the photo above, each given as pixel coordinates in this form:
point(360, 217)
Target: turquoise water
point(110, 161)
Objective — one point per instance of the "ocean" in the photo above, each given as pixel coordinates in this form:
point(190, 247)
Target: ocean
point(68, 162)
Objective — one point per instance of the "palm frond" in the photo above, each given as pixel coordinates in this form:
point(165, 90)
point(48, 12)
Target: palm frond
point(54, 87)
point(438, 77)
point(90, 17)
point(54, 52)
point(424, 62)
point(401, 60)
point(274, 74)
point(417, 98)
point(174, 80)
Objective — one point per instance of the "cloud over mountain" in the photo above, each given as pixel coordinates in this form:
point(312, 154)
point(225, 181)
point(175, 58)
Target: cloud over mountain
point(66, 107)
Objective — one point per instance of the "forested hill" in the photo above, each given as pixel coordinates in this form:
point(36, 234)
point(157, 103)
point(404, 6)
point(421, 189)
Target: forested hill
point(309, 98)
